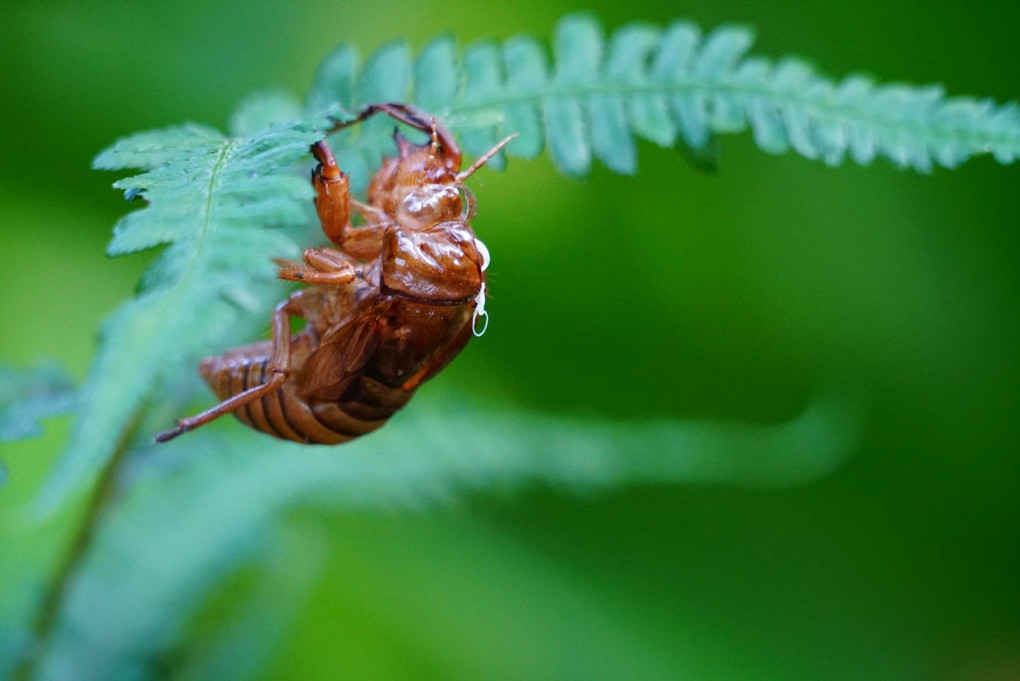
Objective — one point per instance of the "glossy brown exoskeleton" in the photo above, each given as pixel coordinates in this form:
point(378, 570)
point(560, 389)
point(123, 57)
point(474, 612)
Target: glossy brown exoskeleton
point(386, 312)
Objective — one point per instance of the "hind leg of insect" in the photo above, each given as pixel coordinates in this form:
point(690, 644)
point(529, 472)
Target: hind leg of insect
point(278, 368)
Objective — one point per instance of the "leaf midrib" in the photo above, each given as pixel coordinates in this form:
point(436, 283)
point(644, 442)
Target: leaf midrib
point(207, 212)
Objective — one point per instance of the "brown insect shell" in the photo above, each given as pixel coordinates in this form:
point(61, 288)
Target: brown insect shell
point(418, 167)
point(430, 253)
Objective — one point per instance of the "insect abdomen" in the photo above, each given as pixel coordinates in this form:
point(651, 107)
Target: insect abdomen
point(283, 413)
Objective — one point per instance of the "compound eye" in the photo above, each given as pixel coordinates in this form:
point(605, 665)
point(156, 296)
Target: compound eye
point(425, 206)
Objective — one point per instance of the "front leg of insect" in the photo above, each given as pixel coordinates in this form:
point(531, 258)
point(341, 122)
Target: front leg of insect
point(385, 313)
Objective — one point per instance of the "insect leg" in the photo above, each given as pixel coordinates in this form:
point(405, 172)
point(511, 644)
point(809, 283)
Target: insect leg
point(328, 260)
point(278, 368)
point(369, 212)
point(332, 193)
point(416, 118)
point(327, 267)
point(333, 204)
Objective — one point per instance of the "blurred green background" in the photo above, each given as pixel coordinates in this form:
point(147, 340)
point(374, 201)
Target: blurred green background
point(671, 294)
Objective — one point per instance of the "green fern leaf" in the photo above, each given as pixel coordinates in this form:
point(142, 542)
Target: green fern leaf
point(29, 396)
point(218, 201)
point(435, 74)
point(198, 509)
point(525, 64)
point(665, 86)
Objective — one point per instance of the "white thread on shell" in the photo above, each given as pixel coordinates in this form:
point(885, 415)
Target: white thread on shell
point(480, 313)
point(484, 252)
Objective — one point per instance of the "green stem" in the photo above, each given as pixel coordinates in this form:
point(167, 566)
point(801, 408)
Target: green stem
point(56, 590)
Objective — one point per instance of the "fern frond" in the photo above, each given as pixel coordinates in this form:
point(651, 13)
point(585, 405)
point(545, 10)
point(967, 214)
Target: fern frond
point(218, 201)
point(666, 86)
point(29, 396)
point(200, 508)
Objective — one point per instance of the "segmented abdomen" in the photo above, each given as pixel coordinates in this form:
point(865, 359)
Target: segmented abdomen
point(282, 413)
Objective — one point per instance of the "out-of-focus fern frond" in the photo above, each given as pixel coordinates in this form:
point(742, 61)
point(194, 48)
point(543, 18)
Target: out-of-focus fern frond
point(203, 506)
point(594, 96)
point(218, 201)
point(29, 396)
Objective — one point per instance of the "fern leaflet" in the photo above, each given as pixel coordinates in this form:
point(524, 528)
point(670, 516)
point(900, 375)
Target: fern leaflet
point(29, 396)
point(664, 86)
point(217, 201)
